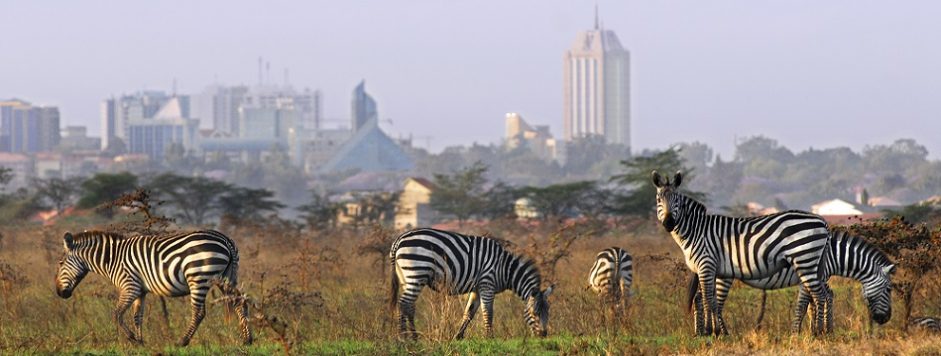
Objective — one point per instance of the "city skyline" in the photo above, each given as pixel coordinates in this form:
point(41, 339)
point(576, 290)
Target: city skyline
point(851, 74)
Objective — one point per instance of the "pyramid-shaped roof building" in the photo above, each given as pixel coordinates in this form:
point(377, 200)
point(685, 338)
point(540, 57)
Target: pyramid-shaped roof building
point(369, 150)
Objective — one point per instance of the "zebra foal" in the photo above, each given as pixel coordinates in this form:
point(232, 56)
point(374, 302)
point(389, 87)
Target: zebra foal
point(612, 274)
point(460, 264)
point(172, 266)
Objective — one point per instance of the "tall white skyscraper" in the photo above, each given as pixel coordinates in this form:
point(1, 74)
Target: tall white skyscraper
point(597, 87)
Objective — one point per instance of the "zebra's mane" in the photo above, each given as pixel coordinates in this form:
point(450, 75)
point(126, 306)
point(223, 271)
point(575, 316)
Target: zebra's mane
point(92, 234)
point(865, 247)
point(694, 205)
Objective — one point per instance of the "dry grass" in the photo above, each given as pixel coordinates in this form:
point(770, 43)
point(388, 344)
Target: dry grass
point(329, 298)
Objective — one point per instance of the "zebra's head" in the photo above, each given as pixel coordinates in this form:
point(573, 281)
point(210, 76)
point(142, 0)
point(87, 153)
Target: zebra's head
point(669, 201)
point(72, 269)
point(878, 293)
point(537, 311)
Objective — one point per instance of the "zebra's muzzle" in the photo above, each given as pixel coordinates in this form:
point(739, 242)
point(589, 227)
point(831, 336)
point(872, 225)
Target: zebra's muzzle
point(669, 223)
point(881, 318)
point(64, 293)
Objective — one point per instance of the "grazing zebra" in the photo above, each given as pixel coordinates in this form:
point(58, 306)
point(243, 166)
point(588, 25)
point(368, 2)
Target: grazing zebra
point(717, 246)
point(926, 323)
point(173, 266)
point(848, 256)
point(612, 273)
point(460, 264)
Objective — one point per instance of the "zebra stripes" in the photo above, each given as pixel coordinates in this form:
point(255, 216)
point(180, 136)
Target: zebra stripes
point(926, 323)
point(612, 273)
point(460, 264)
point(848, 256)
point(172, 266)
point(717, 246)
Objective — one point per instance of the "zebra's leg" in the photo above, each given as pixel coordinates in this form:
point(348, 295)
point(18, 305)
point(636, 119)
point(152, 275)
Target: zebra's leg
point(486, 298)
point(139, 317)
point(407, 310)
point(707, 284)
point(698, 317)
point(198, 291)
point(818, 290)
point(800, 310)
point(473, 303)
point(240, 304)
point(125, 300)
point(828, 310)
point(722, 293)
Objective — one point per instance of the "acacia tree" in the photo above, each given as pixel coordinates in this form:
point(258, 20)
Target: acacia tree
point(560, 200)
point(195, 199)
point(56, 191)
point(460, 194)
point(319, 213)
point(640, 191)
point(104, 188)
point(241, 204)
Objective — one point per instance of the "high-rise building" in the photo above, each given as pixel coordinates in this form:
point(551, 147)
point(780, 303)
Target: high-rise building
point(363, 108)
point(28, 129)
point(597, 87)
point(537, 138)
point(219, 106)
point(154, 135)
point(116, 113)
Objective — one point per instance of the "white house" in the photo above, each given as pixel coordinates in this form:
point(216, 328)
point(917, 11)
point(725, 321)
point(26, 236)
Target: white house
point(835, 207)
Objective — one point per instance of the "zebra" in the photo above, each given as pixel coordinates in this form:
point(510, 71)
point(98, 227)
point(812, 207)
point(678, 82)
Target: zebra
point(848, 256)
point(460, 264)
point(174, 265)
point(612, 274)
point(926, 323)
point(717, 246)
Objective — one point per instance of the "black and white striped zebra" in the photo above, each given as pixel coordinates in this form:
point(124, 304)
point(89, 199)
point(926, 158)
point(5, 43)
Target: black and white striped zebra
point(612, 273)
point(459, 264)
point(848, 256)
point(173, 266)
point(717, 246)
point(926, 323)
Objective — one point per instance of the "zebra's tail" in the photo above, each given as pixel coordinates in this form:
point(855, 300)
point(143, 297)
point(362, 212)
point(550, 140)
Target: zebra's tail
point(691, 291)
point(394, 287)
point(230, 275)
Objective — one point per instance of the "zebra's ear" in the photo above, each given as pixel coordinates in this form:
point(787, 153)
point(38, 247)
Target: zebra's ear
point(548, 291)
point(68, 241)
point(677, 179)
point(657, 179)
point(889, 270)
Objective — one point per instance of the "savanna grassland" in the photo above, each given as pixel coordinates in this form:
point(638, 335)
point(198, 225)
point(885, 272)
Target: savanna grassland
point(325, 292)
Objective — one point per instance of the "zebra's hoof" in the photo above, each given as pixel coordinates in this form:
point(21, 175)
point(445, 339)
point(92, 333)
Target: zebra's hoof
point(183, 343)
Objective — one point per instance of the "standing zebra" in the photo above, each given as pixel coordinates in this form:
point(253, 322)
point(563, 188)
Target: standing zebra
point(173, 266)
point(717, 246)
point(461, 264)
point(848, 256)
point(612, 274)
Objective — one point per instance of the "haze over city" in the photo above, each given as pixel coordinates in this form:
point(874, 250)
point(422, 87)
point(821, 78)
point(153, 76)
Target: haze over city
point(808, 74)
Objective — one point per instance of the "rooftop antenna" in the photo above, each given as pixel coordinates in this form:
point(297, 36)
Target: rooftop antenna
point(174, 87)
point(267, 71)
point(259, 71)
point(596, 16)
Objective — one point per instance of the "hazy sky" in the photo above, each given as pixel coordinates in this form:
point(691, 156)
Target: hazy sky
point(808, 73)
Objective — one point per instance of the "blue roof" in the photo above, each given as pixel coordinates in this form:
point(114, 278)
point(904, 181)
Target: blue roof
point(369, 150)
